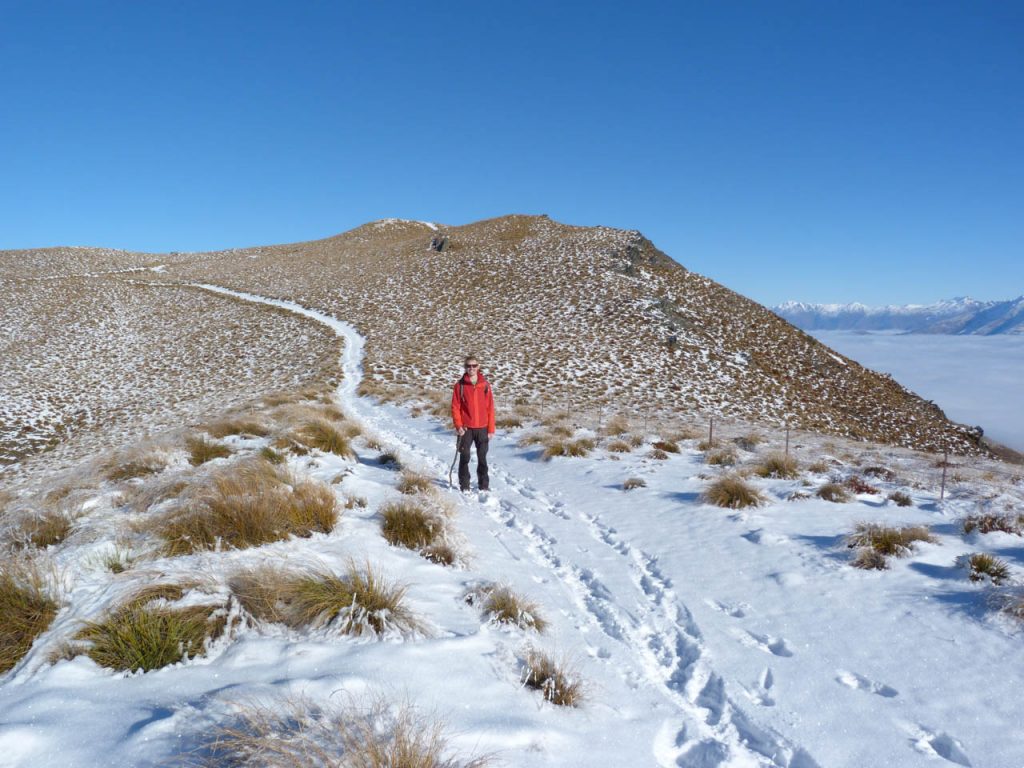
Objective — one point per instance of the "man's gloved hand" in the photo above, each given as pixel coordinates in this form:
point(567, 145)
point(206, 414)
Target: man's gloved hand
point(460, 431)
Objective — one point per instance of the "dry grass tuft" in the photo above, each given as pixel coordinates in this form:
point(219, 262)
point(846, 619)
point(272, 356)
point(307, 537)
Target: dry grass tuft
point(982, 565)
point(45, 529)
point(882, 473)
point(857, 485)
point(778, 465)
point(202, 450)
point(617, 425)
point(668, 446)
point(555, 446)
point(298, 734)
point(749, 441)
point(989, 522)
point(135, 463)
point(820, 467)
point(325, 436)
point(556, 681)
point(657, 454)
point(722, 457)
point(274, 457)
point(411, 483)
point(26, 608)
point(869, 560)
point(241, 425)
point(407, 524)
point(900, 499)
point(888, 541)
point(503, 606)
point(833, 492)
point(359, 602)
point(619, 446)
point(248, 505)
point(508, 422)
point(389, 459)
point(634, 482)
point(732, 492)
point(146, 633)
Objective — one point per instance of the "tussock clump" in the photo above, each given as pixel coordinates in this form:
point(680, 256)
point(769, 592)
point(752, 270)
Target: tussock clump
point(1012, 605)
point(389, 459)
point(749, 441)
point(299, 734)
point(508, 422)
point(407, 524)
point(778, 465)
point(147, 632)
point(722, 457)
point(869, 560)
point(152, 492)
point(27, 608)
point(136, 463)
point(657, 454)
point(888, 541)
point(668, 446)
point(360, 602)
point(503, 606)
point(989, 522)
point(833, 492)
point(617, 425)
point(636, 440)
point(411, 483)
point(982, 565)
point(857, 485)
point(325, 436)
point(574, 448)
point(241, 425)
point(44, 529)
point(202, 450)
point(619, 446)
point(732, 492)
point(634, 482)
point(820, 467)
point(798, 496)
point(882, 473)
point(556, 681)
point(706, 445)
point(900, 499)
point(246, 506)
point(531, 439)
point(274, 457)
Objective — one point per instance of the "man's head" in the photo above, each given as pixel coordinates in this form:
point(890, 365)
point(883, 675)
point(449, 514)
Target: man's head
point(471, 365)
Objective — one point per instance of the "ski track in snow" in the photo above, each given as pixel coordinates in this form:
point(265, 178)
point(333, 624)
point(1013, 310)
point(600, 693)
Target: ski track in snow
point(656, 644)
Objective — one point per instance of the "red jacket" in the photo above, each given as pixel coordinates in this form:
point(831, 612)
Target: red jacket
point(473, 404)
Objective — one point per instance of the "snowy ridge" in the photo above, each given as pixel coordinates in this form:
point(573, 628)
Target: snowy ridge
point(961, 315)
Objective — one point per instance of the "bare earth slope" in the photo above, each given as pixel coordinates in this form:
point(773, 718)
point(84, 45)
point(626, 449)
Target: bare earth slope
point(581, 317)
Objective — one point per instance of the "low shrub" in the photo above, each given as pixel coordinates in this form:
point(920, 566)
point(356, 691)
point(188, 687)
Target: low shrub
point(900, 499)
point(202, 450)
point(982, 565)
point(27, 608)
point(778, 465)
point(556, 681)
point(413, 482)
point(359, 602)
point(989, 522)
point(668, 446)
point(141, 635)
point(722, 457)
point(634, 482)
point(888, 541)
point(246, 506)
point(857, 485)
point(833, 492)
point(732, 492)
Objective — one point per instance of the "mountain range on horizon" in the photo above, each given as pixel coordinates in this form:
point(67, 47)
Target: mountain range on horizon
point(957, 316)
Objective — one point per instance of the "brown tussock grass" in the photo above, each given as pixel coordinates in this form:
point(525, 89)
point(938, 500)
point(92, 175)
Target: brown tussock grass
point(411, 483)
point(135, 463)
point(300, 734)
point(202, 450)
point(558, 682)
point(634, 482)
point(325, 436)
point(668, 446)
point(833, 492)
point(503, 606)
point(617, 426)
point(619, 446)
point(991, 522)
point(778, 465)
point(44, 529)
point(900, 499)
point(555, 446)
point(27, 608)
point(722, 457)
point(239, 425)
point(359, 602)
point(982, 565)
point(248, 505)
point(731, 492)
point(888, 541)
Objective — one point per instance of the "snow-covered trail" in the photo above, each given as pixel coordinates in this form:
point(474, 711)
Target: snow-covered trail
point(627, 610)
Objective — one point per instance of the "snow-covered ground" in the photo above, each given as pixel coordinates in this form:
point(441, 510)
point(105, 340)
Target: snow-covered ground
point(974, 379)
point(704, 637)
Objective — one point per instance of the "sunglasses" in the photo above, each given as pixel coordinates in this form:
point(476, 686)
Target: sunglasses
point(472, 365)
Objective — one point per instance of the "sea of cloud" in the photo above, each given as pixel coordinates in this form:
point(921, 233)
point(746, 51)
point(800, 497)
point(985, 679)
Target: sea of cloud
point(974, 379)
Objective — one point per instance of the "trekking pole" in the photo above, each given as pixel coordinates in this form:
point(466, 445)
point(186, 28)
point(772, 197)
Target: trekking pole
point(458, 445)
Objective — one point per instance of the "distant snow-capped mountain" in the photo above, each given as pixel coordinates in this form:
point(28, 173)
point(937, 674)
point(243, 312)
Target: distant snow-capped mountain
point(962, 315)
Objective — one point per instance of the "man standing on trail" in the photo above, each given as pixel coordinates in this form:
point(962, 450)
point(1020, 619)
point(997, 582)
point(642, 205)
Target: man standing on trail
point(473, 415)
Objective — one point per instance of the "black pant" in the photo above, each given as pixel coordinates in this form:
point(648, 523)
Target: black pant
point(479, 437)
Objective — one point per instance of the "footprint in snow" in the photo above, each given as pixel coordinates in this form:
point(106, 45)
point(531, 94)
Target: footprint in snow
point(776, 646)
point(759, 692)
point(929, 742)
point(736, 611)
point(861, 683)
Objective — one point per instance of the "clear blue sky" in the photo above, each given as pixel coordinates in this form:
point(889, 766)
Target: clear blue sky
point(820, 151)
